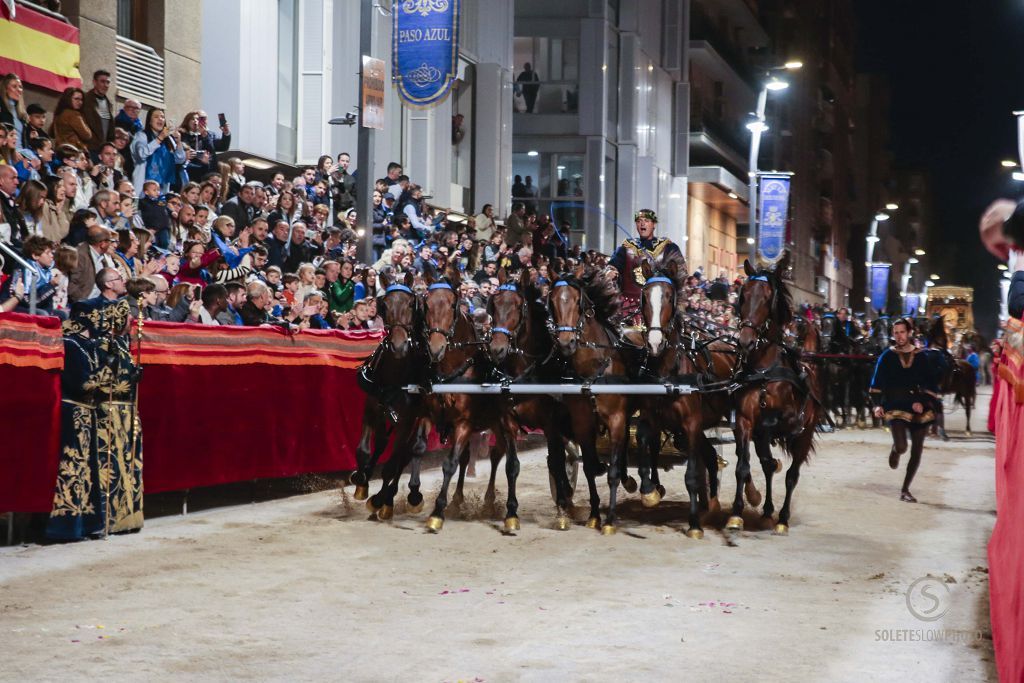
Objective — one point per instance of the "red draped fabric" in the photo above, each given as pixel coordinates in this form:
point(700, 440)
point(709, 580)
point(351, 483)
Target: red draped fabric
point(31, 357)
point(1006, 547)
point(234, 403)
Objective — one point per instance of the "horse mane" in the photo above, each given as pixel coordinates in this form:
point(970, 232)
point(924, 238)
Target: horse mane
point(603, 293)
point(679, 280)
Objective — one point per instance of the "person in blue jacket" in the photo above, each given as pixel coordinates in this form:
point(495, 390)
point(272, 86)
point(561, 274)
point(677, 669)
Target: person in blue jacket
point(904, 392)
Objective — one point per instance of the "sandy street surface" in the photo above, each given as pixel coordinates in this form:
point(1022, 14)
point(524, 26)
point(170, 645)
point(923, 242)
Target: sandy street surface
point(306, 588)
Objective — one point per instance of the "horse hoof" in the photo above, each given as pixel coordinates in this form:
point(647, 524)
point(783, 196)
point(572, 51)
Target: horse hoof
point(416, 509)
point(563, 523)
point(361, 493)
point(593, 523)
point(608, 530)
point(512, 524)
point(714, 505)
point(695, 534)
point(967, 432)
point(661, 490)
point(722, 463)
point(651, 499)
point(629, 483)
point(735, 523)
point(385, 513)
point(372, 506)
point(435, 523)
point(781, 529)
point(778, 465)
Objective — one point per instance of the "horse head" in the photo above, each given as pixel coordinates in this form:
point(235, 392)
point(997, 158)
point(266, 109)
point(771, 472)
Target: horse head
point(658, 304)
point(398, 308)
point(508, 308)
point(763, 304)
point(568, 310)
point(440, 311)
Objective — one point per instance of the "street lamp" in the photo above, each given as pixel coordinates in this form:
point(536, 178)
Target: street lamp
point(871, 240)
point(1008, 163)
point(757, 127)
point(1018, 176)
point(920, 252)
point(892, 207)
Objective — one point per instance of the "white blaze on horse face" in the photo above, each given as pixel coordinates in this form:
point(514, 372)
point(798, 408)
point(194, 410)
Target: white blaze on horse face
point(655, 338)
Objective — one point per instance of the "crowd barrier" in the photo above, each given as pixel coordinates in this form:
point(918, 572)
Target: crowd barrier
point(1006, 547)
point(216, 405)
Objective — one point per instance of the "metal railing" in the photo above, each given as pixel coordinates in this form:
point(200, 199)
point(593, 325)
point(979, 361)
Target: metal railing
point(140, 72)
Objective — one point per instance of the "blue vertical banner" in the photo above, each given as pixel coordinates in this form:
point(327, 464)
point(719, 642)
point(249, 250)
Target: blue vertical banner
point(425, 49)
point(773, 205)
point(911, 302)
point(880, 286)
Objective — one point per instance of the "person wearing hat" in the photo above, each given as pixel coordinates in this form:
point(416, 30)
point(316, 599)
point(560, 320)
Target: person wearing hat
point(36, 127)
point(630, 255)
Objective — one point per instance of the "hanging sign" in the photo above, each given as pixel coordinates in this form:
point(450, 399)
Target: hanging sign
point(773, 204)
point(373, 93)
point(880, 286)
point(425, 49)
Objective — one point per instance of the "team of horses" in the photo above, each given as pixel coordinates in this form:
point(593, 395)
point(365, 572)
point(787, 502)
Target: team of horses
point(761, 380)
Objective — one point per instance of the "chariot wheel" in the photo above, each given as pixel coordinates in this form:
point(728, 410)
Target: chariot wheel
point(572, 471)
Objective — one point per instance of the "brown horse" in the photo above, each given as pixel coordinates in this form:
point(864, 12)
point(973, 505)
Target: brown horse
point(778, 401)
point(454, 350)
point(382, 377)
point(582, 306)
point(677, 357)
point(521, 349)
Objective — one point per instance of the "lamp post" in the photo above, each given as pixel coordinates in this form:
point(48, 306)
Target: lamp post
point(871, 240)
point(757, 127)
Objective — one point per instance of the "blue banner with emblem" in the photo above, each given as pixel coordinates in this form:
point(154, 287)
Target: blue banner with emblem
point(911, 302)
point(425, 49)
point(880, 286)
point(773, 205)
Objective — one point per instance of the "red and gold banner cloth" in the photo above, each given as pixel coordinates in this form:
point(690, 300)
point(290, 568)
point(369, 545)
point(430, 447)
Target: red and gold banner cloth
point(1006, 547)
point(228, 404)
point(185, 345)
point(31, 357)
point(42, 50)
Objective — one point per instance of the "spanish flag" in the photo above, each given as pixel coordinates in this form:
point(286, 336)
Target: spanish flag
point(42, 50)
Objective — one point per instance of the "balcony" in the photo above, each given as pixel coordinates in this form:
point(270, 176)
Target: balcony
point(717, 56)
point(140, 72)
point(718, 143)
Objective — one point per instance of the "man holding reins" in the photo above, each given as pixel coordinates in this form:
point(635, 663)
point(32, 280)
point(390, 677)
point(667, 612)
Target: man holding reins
point(628, 258)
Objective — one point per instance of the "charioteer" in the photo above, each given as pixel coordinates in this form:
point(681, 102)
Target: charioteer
point(631, 254)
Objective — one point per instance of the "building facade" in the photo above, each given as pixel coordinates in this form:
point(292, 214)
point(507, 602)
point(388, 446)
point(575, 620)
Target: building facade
point(605, 131)
point(281, 69)
point(816, 121)
point(140, 42)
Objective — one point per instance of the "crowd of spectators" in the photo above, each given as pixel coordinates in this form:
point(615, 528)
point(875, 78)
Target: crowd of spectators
point(107, 201)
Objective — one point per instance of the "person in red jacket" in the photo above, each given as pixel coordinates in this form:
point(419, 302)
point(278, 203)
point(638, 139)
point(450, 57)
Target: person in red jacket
point(194, 261)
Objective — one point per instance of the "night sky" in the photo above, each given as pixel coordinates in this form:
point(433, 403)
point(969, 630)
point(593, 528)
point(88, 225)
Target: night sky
point(956, 70)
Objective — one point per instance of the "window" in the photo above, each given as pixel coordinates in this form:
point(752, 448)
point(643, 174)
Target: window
point(556, 63)
point(131, 19)
point(286, 86)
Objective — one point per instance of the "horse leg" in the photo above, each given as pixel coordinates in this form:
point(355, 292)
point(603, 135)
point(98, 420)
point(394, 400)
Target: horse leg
point(511, 475)
point(374, 435)
point(618, 434)
point(400, 455)
point(709, 456)
point(742, 431)
point(628, 482)
point(799, 448)
point(768, 465)
point(460, 440)
point(645, 436)
point(696, 463)
point(556, 468)
point(497, 453)
point(968, 404)
point(415, 497)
